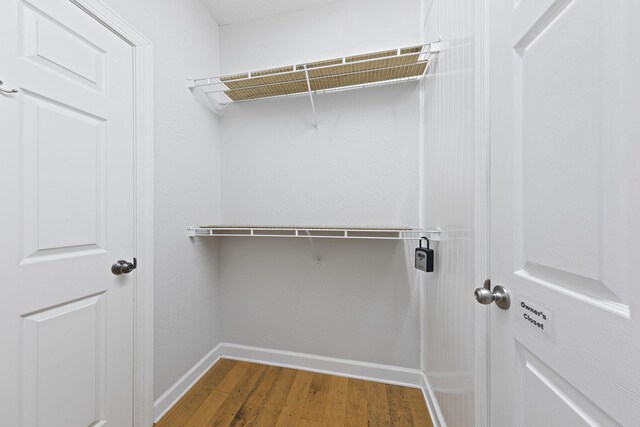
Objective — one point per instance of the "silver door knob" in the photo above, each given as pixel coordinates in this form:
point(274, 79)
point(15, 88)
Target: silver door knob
point(123, 267)
point(499, 294)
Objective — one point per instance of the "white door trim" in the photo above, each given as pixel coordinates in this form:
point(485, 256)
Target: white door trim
point(482, 211)
point(143, 243)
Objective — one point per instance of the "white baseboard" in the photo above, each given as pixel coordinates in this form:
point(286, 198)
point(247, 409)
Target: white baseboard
point(169, 398)
point(324, 365)
point(432, 402)
point(307, 362)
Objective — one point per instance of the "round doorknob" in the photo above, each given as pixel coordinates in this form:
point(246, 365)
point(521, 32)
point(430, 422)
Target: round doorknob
point(499, 295)
point(122, 267)
point(484, 296)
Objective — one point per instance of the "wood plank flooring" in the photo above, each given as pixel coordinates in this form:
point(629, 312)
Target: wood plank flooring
point(236, 393)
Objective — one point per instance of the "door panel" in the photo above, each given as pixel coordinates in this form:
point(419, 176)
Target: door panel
point(565, 212)
point(563, 134)
point(64, 176)
point(67, 150)
point(55, 46)
point(65, 345)
point(544, 398)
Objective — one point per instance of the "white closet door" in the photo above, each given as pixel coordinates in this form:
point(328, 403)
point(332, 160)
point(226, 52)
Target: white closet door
point(66, 174)
point(565, 212)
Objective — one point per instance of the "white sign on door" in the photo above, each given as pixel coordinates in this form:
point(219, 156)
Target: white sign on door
point(535, 316)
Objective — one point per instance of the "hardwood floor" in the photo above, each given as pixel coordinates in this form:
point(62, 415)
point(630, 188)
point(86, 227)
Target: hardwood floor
point(241, 393)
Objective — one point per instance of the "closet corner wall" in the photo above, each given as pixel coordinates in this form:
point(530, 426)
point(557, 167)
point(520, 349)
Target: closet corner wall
point(449, 196)
point(186, 303)
point(263, 163)
point(350, 299)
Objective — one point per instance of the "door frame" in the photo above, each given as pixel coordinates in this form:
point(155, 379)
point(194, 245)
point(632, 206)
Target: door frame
point(143, 207)
point(482, 210)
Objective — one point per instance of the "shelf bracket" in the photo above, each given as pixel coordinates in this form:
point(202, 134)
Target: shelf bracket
point(434, 235)
point(434, 46)
point(313, 107)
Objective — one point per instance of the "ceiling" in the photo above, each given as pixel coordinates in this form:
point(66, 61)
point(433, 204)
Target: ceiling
point(237, 11)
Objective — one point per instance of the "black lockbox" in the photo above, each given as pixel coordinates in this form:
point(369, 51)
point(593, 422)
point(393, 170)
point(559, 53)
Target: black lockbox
point(424, 257)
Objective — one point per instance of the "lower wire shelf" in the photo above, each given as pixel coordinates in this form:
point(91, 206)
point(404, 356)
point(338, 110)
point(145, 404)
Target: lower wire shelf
point(314, 232)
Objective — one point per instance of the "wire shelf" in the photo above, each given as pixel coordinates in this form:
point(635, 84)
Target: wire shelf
point(370, 69)
point(314, 232)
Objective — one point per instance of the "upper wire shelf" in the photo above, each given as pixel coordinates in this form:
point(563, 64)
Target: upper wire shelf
point(350, 72)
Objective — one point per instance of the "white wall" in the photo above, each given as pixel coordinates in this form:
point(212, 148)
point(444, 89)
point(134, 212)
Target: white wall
point(449, 194)
point(360, 168)
point(359, 303)
point(187, 182)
